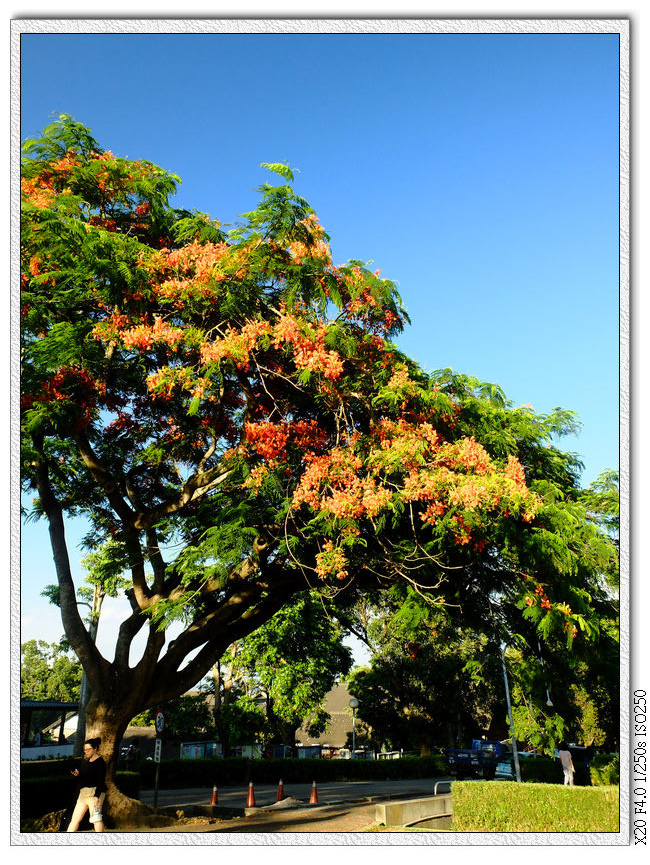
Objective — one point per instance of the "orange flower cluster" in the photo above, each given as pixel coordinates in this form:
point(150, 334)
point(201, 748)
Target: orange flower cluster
point(271, 440)
point(461, 529)
point(470, 495)
point(39, 192)
point(194, 271)
point(469, 454)
point(236, 345)
point(70, 384)
point(256, 477)
point(515, 472)
point(309, 352)
point(445, 476)
point(404, 444)
point(317, 250)
point(268, 439)
point(198, 259)
point(145, 336)
point(545, 604)
point(308, 436)
point(331, 562)
point(166, 380)
point(332, 485)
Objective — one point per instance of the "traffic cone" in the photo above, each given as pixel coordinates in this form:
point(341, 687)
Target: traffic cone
point(280, 791)
point(215, 796)
point(250, 800)
point(314, 795)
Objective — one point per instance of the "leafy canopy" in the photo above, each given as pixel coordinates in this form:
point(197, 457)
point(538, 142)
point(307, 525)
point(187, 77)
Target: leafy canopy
point(230, 409)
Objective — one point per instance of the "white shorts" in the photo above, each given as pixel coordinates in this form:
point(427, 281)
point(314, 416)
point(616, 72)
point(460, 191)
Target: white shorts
point(86, 796)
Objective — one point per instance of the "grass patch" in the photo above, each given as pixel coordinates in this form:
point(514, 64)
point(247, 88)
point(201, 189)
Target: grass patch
point(505, 806)
point(401, 829)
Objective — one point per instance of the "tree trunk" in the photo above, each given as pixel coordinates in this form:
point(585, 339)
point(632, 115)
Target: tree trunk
point(109, 724)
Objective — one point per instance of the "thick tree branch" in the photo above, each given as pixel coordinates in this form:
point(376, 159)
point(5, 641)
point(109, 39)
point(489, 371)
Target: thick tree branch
point(169, 681)
point(94, 664)
point(243, 598)
point(104, 479)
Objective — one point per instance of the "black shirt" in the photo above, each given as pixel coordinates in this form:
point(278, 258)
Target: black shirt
point(92, 773)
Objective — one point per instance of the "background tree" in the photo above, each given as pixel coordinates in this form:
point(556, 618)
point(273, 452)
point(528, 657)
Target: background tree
point(584, 684)
point(428, 684)
point(187, 718)
point(49, 671)
point(284, 669)
point(291, 663)
point(230, 409)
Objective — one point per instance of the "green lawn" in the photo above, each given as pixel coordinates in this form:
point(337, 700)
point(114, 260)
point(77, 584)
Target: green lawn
point(504, 806)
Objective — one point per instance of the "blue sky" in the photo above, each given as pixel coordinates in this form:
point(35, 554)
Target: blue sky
point(480, 172)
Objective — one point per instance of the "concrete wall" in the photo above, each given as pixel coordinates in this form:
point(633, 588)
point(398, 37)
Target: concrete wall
point(46, 752)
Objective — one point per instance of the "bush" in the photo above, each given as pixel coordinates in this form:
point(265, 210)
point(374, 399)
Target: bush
point(177, 773)
point(505, 806)
point(605, 770)
point(39, 796)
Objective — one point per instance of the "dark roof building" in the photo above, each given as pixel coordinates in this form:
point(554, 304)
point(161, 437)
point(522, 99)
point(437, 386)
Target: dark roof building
point(337, 706)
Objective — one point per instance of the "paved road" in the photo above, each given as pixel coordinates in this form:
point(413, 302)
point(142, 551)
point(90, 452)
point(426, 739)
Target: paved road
point(345, 806)
point(329, 792)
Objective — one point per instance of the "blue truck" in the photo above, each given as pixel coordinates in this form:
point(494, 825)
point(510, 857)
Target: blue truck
point(479, 761)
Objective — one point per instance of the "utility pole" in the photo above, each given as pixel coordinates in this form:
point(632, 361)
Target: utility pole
point(511, 723)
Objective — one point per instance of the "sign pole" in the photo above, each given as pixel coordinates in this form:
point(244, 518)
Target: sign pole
point(155, 789)
point(160, 727)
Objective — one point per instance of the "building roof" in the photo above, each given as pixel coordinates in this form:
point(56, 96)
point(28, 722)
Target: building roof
point(337, 706)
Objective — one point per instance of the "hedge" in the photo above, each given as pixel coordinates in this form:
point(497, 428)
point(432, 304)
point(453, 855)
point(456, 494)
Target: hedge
point(39, 796)
point(47, 768)
point(177, 773)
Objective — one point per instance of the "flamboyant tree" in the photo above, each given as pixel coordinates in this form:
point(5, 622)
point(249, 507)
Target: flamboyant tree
point(228, 407)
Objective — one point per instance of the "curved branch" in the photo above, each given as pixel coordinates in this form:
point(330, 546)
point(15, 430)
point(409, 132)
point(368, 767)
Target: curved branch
point(170, 681)
point(104, 479)
point(157, 562)
point(128, 630)
point(243, 604)
point(195, 487)
point(96, 667)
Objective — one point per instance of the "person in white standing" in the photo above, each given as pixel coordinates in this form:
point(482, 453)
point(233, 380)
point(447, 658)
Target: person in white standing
point(567, 764)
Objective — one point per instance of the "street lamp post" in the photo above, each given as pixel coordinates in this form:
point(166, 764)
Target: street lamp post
point(515, 754)
point(354, 705)
point(549, 702)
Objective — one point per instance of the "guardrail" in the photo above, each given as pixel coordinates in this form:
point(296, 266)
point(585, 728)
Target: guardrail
point(429, 811)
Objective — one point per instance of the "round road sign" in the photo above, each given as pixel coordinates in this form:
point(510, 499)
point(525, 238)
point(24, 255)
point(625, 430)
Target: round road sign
point(159, 721)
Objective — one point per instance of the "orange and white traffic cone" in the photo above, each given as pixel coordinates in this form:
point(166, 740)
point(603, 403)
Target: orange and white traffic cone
point(314, 795)
point(250, 799)
point(215, 796)
point(280, 791)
